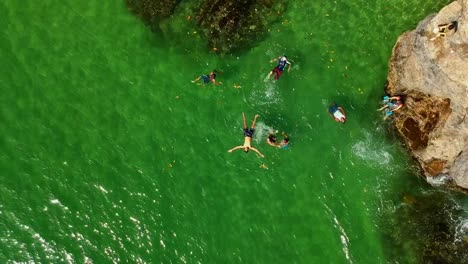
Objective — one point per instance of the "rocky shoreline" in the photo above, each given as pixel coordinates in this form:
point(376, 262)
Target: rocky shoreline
point(429, 69)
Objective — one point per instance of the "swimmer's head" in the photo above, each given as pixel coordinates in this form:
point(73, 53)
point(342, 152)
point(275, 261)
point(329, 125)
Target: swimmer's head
point(342, 120)
point(246, 149)
point(286, 140)
point(272, 138)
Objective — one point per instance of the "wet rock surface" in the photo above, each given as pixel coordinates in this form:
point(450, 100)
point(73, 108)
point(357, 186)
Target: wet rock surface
point(431, 72)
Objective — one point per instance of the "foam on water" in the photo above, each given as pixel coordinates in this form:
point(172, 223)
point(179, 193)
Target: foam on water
point(372, 153)
point(266, 94)
point(438, 181)
point(462, 230)
point(261, 131)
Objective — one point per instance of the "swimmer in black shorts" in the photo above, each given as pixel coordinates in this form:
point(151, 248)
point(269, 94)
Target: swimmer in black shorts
point(248, 134)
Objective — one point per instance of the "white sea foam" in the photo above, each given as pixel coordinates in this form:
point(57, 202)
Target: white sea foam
point(261, 131)
point(343, 236)
point(462, 230)
point(268, 95)
point(101, 188)
point(438, 180)
point(370, 151)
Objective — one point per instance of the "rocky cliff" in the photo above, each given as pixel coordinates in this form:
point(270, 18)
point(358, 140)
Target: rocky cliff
point(429, 68)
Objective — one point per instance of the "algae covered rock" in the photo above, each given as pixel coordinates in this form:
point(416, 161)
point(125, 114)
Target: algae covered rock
point(234, 24)
point(431, 71)
point(152, 11)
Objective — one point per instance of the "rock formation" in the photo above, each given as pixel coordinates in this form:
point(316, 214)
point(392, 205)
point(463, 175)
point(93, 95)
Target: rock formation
point(230, 25)
point(430, 70)
point(152, 11)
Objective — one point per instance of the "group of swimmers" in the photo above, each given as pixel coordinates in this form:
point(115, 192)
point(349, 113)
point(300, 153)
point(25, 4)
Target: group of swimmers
point(336, 112)
point(248, 134)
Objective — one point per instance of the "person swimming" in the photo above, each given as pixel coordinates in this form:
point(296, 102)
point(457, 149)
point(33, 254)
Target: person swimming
point(284, 144)
point(248, 134)
point(273, 141)
point(337, 113)
point(278, 70)
point(207, 78)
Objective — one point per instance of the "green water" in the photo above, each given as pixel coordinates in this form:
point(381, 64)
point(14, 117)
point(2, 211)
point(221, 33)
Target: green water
point(111, 154)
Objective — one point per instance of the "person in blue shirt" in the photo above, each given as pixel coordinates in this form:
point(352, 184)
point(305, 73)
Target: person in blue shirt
point(278, 70)
point(391, 104)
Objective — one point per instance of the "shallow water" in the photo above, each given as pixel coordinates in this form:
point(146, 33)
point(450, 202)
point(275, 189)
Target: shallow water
point(110, 153)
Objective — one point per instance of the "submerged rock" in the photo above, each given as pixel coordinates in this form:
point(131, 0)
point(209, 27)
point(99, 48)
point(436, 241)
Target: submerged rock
point(234, 24)
point(431, 71)
point(152, 11)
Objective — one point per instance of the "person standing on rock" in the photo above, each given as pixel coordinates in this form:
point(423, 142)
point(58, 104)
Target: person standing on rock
point(207, 78)
point(278, 70)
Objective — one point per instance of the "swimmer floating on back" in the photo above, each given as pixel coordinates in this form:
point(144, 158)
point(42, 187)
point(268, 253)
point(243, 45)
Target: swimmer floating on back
point(207, 78)
point(248, 134)
point(337, 112)
point(278, 70)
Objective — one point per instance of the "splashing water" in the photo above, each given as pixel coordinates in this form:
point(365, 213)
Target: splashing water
point(268, 95)
point(438, 181)
point(261, 131)
point(462, 230)
point(370, 152)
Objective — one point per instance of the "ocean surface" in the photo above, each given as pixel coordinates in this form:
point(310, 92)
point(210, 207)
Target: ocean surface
point(110, 154)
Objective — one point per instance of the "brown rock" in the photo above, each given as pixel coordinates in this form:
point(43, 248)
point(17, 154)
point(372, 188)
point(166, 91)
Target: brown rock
point(431, 72)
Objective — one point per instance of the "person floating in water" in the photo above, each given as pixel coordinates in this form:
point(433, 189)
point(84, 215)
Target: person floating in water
point(443, 30)
point(391, 104)
point(278, 70)
point(207, 78)
point(273, 141)
point(337, 112)
point(248, 134)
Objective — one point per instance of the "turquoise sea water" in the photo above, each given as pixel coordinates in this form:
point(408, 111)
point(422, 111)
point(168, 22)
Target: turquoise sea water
point(111, 154)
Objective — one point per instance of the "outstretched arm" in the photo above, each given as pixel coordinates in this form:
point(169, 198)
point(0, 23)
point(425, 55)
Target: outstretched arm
point(215, 82)
point(382, 108)
point(275, 59)
point(289, 66)
point(256, 151)
point(235, 148)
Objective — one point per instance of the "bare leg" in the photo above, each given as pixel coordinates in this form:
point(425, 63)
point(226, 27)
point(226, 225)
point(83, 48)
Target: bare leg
point(197, 79)
point(254, 121)
point(268, 76)
point(382, 108)
point(243, 118)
